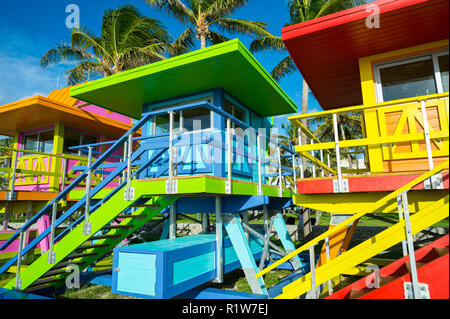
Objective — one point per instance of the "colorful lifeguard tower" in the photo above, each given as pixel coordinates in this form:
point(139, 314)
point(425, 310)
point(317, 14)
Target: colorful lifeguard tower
point(205, 147)
point(385, 63)
point(39, 163)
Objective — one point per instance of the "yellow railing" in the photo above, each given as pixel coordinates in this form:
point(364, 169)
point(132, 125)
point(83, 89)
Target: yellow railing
point(392, 131)
point(380, 203)
point(37, 165)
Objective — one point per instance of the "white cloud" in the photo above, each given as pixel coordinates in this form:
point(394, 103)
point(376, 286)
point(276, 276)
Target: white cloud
point(22, 76)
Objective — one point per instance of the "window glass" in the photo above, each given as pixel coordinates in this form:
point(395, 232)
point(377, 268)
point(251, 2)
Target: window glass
point(162, 122)
point(71, 138)
point(46, 141)
point(196, 119)
point(408, 80)
point(443, 67)
point(31, 142)
point(89, 139)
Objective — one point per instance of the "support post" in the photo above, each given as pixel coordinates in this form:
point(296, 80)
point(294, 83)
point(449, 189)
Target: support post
point(312, 163)
point(171, 118)
point(327, 251)
point(87, 227)
point(258, 147)
point(18, 283)
point(280, 176)
point(426, 132)
point(173, 221)
point(400, 218)
point(51, 252)
point(235, 231)
point(6, 216)
point(312, 264)
point(294, 167)
point(321, 159)
point(338, 155)
point(229, 157)
point(265, 252)
point(412, 256)
point(219, 240)
point(128, 191)
point(64, 168)
point(286, 241)
point(11, 194)
point(301, 160)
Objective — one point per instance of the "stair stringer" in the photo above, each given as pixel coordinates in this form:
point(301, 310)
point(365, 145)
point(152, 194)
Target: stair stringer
point(73, 240)
point(371, 247)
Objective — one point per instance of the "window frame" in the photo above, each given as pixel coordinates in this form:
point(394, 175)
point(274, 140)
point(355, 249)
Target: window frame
point(24, 136)
point(233, 113)
point(433, 56)
point(80, 141)
point(181, 122)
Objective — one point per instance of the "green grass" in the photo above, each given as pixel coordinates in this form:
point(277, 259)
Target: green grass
point(88, 291)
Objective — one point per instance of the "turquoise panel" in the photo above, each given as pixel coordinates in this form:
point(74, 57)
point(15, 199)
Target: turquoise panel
point(137, 273)
point(192, 267)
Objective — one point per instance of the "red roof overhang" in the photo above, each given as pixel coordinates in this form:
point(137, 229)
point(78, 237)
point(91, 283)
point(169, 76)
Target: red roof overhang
point(326, 50)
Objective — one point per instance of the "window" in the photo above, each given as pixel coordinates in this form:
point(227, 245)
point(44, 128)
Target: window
point(191, 120)
point(411, 77)
point(196, 119)
point(41, 141)
point(76, 138)
point(237, 113)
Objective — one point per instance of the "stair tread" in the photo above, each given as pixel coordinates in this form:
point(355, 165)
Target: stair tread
point(74, 256)
point(132, 216)
point(46, 281)
point(104, 237)
point(66, 264)
point(117, 227)
point(85, 247)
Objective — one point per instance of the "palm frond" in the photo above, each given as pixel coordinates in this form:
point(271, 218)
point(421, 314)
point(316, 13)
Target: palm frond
point(184, 42)
point(176, 7)
point(82, 72)
point(217, 38)
point(285, 67)
point(66, 54)
point(221, 8)
point(268, 43)
point(248, 27)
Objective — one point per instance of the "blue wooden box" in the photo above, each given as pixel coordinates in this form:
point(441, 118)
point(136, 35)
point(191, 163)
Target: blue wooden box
point(166, 268)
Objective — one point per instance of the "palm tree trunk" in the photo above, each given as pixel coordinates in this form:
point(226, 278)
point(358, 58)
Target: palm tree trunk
point(202, 40)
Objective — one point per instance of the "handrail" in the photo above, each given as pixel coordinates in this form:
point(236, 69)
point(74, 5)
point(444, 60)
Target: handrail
point(74, 183)
point(206, 105)
point(372, 141)
point(340, 226)
point(65, 156)
point(372, 106)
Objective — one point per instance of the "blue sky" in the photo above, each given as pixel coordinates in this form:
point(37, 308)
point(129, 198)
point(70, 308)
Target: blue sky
point(28, 29)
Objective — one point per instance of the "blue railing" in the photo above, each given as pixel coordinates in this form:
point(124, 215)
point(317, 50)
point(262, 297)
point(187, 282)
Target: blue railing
point(161, 148)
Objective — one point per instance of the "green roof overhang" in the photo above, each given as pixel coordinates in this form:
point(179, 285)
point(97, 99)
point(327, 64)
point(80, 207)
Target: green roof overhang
point(228, 65)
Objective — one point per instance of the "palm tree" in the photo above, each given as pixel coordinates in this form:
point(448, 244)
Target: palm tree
point(201, 15)
point(299, 11)
point(127, 40)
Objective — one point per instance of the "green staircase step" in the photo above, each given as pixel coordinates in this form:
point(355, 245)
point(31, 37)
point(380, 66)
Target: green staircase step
point(72, 245)
point(104, 237)
point(93, 246)
point(81, 255)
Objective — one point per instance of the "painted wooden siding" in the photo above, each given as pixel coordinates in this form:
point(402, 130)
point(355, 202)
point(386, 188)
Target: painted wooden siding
point(403, 119)
point(137, 273)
